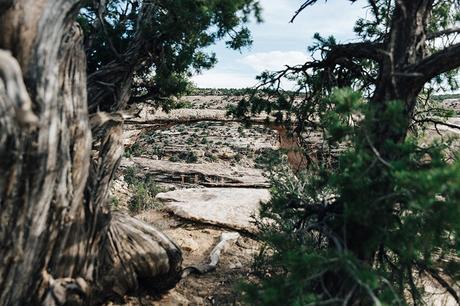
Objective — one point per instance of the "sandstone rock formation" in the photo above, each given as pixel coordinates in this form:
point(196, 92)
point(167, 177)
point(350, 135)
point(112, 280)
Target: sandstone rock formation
point(228, 207)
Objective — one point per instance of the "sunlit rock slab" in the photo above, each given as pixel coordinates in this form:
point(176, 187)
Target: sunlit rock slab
point(209, 174)
point(229, 207)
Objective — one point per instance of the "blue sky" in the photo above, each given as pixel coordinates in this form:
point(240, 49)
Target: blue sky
point(278, 42)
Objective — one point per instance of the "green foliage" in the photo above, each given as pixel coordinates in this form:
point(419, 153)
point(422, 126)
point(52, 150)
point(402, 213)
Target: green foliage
point(376, 213)
point(219, 91)
point(188, 156)
point(115, 202)
point(134, 150)
point(163, 41)
point(268, 158)
point(210, 157)
point(204, 140)
point(144, 191)
point(367, 229)
point(182, 104)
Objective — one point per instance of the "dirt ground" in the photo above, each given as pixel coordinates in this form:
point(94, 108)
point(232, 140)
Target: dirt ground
point(206, 144)
point(219, 287)
point(201, 144)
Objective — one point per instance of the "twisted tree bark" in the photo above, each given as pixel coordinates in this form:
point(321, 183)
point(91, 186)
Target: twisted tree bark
point(58, 239)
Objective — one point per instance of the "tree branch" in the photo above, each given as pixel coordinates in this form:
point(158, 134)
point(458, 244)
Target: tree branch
point(437, 122)
point(438, 63)
point(443, 32)
point(339, 54)
point(375, 10)
point(361, 50)
point(443, 282)
point(304, 6)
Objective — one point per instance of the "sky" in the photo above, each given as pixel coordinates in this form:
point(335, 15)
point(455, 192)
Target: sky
point(278, 42)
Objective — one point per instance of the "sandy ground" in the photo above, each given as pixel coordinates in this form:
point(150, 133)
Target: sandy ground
point(219, 287)
point(229, 145)
point(210, 142)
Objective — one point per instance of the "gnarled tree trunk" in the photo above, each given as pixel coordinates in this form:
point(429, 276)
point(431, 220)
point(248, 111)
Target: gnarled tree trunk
point(58, 240)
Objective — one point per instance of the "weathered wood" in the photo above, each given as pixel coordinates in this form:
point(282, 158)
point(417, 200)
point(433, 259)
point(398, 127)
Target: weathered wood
point(15, 89)
point(46, 168)
point(138, 257)
point(55, 222)
point(214, 257)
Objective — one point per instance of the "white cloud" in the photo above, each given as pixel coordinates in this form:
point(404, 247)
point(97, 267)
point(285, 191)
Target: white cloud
point(223, 80)
point(274, 9)
point(248, 68)
point(328, 18)
point(278, 43)
point(274, 60)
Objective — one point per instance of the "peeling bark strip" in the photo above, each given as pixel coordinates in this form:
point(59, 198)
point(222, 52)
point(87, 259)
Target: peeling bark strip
point(15, 90)
point(57, 235)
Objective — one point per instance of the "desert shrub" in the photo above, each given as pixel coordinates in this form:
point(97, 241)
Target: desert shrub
point(237, 157)
point(174, 158)
point(267, 158)
point(144, 191)
point(366, 230)
point(188, 156)
point(115, 202)
point(190, 141)
point(134, 150)
point(204, 140)
point(182, 104)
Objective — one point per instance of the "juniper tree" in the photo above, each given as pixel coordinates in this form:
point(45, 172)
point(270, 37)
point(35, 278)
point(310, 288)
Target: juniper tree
point(147, 50)
point(382, 214)
point(59, 242)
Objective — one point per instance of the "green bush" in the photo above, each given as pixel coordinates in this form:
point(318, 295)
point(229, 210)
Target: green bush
point(135, 150)
point(267, 158)
point(182, 104)
point(210, 156)
point(115, 202)
point(189, 157)
point(174, 158)
point(144, 191)
point(365, 230)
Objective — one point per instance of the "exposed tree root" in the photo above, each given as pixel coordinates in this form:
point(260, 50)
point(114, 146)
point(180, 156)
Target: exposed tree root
point(225, 239)
point(137, 256)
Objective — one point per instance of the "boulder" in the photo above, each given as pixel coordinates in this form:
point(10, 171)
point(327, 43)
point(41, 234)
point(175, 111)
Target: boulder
point(229, 207)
